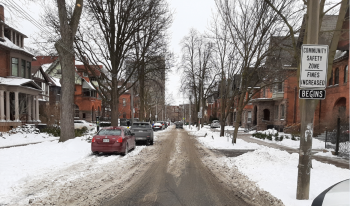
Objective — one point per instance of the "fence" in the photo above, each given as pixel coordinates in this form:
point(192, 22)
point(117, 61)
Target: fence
point(338, 139)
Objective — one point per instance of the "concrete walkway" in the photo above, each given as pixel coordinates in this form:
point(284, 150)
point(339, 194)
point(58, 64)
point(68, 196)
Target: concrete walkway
point(338, 162)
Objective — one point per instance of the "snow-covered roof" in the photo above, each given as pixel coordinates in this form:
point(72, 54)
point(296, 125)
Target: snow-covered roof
point(339, 54)
point(46, 66)
point(14, 81)
point(56, 81)
point(88, 85)
point(17, 81)
point(9, 44)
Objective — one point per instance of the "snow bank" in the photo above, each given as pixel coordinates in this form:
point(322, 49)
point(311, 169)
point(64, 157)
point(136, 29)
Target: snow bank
point(276, 172)
point(18, 139)
point(34, 160)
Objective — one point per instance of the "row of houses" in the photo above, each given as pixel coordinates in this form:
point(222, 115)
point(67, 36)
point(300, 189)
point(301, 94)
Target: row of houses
point(278, 106)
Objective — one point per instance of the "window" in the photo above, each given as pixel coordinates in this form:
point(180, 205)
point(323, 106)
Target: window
point(29, 74)
point(336, 78)
point(266, 114)
point(280, 87)
point(276, 111)
point(84, 115)
point(263, 93)
point(282, 111)
point(76, 111)
point(249, 117)
point(124, 102)
point(331, 79)
point(14, 70)
point(346, 74)
point(23, 69)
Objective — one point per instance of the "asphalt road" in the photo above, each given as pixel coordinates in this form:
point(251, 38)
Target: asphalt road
point(177, 177)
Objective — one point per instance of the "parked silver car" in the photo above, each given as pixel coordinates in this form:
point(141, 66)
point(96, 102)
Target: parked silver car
point(215, 124)
point(143, 132)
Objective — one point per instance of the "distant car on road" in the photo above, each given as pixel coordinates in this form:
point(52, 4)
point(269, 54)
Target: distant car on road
point(179, 125)
point(143, 132)
point(163, 124)
point(113, 140)
point(79, 124)
point(215, 124)
point(157, 126)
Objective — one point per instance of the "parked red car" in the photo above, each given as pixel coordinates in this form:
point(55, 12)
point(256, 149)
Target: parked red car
point(113, 140)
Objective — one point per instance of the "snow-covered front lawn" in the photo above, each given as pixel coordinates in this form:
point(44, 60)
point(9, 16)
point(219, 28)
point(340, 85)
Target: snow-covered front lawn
point(18, 139)
point(273, 170)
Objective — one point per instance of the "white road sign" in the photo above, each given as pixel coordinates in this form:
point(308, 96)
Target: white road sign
point(314, 63)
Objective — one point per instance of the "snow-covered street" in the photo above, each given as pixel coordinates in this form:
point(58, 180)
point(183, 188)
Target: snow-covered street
point(57, 173)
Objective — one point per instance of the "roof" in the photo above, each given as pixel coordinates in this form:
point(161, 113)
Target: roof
point(56, 81)
point(18, 82)
point(10, 45)
point(40, 60)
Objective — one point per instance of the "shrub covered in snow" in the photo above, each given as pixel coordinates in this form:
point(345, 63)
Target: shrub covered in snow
point(25, 129)
point(276, 136)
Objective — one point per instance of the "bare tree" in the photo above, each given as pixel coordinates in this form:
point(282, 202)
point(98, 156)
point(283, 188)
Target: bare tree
point(199, 74)
point(120, 33)
point(251, 26)
point(68, 27)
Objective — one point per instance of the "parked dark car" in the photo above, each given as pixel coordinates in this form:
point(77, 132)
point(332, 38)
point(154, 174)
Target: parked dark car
point(179, 125)
point(143, 132)
point(113, 140)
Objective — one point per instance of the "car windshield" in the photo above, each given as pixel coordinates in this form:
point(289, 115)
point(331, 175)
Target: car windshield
point(141, 125)
point(216, 121)
point(110, 132)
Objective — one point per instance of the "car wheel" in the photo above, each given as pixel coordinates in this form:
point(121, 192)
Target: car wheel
point(126, 150)
point(95, 153)
point(151, 142)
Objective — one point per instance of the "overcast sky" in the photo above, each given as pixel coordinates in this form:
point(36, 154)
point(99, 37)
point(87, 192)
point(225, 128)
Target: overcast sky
point(187, 14)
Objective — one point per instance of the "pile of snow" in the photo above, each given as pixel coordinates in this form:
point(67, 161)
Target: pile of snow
point(316, 144)
point(276, 171)
point(33, 160)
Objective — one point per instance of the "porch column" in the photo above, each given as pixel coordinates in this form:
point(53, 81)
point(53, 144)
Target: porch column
point(33, 108)
point(8, 106)
point(2, 113)
point(37, 109)
point(16, 107)
point(29, 108)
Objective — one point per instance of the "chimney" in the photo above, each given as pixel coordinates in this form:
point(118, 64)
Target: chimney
point(2, 15)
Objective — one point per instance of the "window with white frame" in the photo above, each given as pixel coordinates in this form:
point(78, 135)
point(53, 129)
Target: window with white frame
point(282, 111)
point(249, 117)
point(124, 102)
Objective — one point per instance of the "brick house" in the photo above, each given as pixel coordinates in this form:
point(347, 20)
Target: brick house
point(19, 94)
point(278, 107)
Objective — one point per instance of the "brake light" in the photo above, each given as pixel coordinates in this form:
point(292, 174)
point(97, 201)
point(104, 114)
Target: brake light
point(120, 139)
point(162, 124)
point(93, 139)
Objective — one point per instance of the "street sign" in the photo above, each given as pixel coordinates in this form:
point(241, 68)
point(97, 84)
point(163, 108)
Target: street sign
point(312, 94)
point(313, 69)
point(199, 115)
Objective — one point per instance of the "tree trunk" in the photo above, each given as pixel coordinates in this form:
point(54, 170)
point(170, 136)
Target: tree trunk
point(64, 47)
point(115, 102)
point(67, 93)
point(142, 93)
point(238, 117)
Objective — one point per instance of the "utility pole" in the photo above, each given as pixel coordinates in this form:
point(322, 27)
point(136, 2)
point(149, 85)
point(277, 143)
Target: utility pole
point(190, 112)
point(183, 118)
point(307, 110)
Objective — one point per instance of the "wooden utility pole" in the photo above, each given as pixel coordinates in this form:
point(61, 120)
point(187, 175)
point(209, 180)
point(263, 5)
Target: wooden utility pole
point(307, 110)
